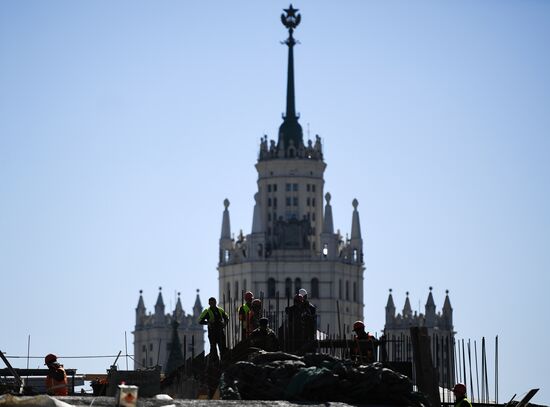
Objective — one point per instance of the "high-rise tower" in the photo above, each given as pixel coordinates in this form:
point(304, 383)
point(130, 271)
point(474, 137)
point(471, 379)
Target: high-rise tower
point(292, 243)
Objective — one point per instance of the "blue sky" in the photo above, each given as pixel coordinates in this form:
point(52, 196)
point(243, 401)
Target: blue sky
point(124, 125)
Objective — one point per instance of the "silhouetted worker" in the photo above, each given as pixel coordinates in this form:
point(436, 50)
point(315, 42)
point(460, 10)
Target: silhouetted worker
point(264, 337)
point(56, 380)
point(364, 349)
point(254, 315)
point(294, 327)
point(216, 319)
point(244, 310)
point(460, 396)
point(309, 317)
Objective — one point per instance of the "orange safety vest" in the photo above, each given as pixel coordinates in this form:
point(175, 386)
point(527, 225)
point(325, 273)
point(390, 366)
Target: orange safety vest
point(57, 387)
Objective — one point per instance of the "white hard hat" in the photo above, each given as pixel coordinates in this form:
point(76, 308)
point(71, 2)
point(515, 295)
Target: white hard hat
point(302, 292)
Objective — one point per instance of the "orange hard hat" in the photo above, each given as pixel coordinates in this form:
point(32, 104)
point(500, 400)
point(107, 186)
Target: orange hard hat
point(358, 326)
point(248, 296)
point(50, 358)
point(459, 389)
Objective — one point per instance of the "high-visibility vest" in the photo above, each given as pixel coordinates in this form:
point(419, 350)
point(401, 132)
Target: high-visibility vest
point(211, 317)
point(57, 387)
point(246, 310)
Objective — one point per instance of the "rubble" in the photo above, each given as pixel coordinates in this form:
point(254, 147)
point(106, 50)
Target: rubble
point(316, 378)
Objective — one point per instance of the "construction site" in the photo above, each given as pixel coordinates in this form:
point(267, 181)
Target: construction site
point(287, 325)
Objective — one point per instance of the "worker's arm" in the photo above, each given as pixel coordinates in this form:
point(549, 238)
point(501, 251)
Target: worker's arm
point(203, 318)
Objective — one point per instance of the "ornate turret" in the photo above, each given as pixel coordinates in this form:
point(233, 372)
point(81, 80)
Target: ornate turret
point(140, 310)
point(356, 239)
point(390, 309)
point(407, 309)
point(290, 131)
point(447, 311)
point(159, 309)
point(430, 310)
point(197, 308)
point(178, 311)
point(328, 238)
point(226, 243)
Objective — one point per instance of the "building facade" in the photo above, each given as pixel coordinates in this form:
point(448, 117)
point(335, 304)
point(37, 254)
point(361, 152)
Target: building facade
point(153, 332)
point(292, 243)
point(440, 330)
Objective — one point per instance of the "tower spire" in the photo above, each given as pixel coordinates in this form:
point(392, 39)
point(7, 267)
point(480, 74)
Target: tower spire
point(290, 129)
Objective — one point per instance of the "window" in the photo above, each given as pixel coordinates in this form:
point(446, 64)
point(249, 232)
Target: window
point(354, 291)
point(144, 348)
point(271, 288)
point(347, 290)
point(297, 285)
point(312, 187)
point(151, 347)
point(313, 202)
point(308, 187)
point(274, 202)
point(308, 201)
point(288, 187)
point(287, 201)
point(269, 217)
point(226, 255)
point(274, 187)
point(295, 187)
point(268, 201)
point(288, 288)
point(314, 288)
point(269, 188)
point(274, 216)
point(295, 201)
point(354, 255)
point(313, 216)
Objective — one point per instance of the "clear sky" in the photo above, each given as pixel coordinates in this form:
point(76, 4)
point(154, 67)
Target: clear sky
point(124, 125)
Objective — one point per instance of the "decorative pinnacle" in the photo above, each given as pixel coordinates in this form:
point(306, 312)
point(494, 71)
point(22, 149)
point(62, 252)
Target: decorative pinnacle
point(355, 203)
point(140, 292)
point(291, 20)
point(390, 290)
point(160, 288)
point(226, 203)
point(327, 197)
point(407, 293)
point(431, 288)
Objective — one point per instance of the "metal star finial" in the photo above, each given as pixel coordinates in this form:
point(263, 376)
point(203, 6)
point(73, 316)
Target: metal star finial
point(291, 19)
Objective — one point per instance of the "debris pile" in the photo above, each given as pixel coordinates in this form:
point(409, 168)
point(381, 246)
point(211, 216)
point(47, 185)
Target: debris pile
point(316, 377)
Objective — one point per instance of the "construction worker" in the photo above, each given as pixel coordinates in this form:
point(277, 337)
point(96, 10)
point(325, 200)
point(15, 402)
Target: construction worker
point(216, 319)
point(56, 380)
point(294, 327)
point(244, 310)
point(460, 396)
point(254, 316)
point(364, 344)
point(309, 317)
point(264, 337)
